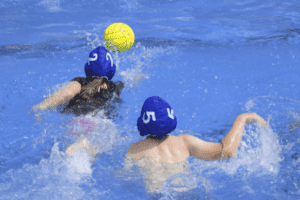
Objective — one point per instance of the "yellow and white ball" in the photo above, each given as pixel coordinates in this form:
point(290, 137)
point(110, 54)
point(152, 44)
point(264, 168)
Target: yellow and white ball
point(119, 35)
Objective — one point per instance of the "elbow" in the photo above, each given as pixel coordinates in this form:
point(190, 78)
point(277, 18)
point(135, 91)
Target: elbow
point(228, 152)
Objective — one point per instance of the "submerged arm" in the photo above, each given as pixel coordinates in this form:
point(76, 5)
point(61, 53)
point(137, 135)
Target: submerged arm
point(60, 97)
point(83, 144)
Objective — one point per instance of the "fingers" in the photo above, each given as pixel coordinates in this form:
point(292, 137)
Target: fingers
point(39, 107)
point(263, 122)
point(251, 117)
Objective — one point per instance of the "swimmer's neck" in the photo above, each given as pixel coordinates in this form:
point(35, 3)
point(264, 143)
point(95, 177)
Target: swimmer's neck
point(156, 138)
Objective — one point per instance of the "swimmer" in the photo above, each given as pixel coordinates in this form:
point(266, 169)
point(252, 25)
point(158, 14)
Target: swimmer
point(161, 155)
point(87, 94)
point(157, 121)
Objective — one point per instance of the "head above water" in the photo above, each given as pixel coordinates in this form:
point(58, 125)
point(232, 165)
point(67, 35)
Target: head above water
point(100, 63)
point(157, 118)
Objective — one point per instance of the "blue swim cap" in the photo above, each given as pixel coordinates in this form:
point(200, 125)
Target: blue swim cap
point(100, 63)
point(157, 118)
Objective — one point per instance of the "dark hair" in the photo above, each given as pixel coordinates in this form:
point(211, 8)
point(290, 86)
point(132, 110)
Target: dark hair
point(89, 99)
point(161, 139)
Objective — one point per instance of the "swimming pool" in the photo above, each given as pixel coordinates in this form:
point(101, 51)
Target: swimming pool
point(210, 60)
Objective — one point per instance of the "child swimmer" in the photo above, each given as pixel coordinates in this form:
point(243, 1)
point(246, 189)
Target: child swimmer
point(161, 146)
point(94, 91)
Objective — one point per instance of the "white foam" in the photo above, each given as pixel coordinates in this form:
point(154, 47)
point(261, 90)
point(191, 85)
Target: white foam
point(60, 176)
point(52, 5)
point(57, 177)
point(249, 104)
point(130, 4)
point(79, 165)
point(139, 59)
point(103, 132)
point(54, 25)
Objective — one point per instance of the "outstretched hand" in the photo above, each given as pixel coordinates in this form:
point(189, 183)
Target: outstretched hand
point(36, 107)
point(250, 117)
point(40, 106)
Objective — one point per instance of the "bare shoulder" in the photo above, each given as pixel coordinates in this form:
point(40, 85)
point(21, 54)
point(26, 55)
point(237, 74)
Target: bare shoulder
point(177, 139)
point(132, 149)
point(188, 138)
point(135, 149)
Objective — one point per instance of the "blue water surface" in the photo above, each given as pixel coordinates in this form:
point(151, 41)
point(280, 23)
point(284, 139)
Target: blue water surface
point(210, 60)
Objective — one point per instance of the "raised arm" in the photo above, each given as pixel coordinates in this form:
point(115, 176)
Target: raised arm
point(232, 140)
point(60, 97)
point(229, 145)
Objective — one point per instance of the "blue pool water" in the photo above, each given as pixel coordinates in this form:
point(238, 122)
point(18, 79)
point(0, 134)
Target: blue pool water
point(210, 60)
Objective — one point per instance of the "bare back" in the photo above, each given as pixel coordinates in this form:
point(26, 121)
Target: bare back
point(160, 160)
point(171, 150)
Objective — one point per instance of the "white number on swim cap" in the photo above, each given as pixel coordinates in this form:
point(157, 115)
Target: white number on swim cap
point(171, 115)
point(111, 60)
point(146, 121)
point(93, 59)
